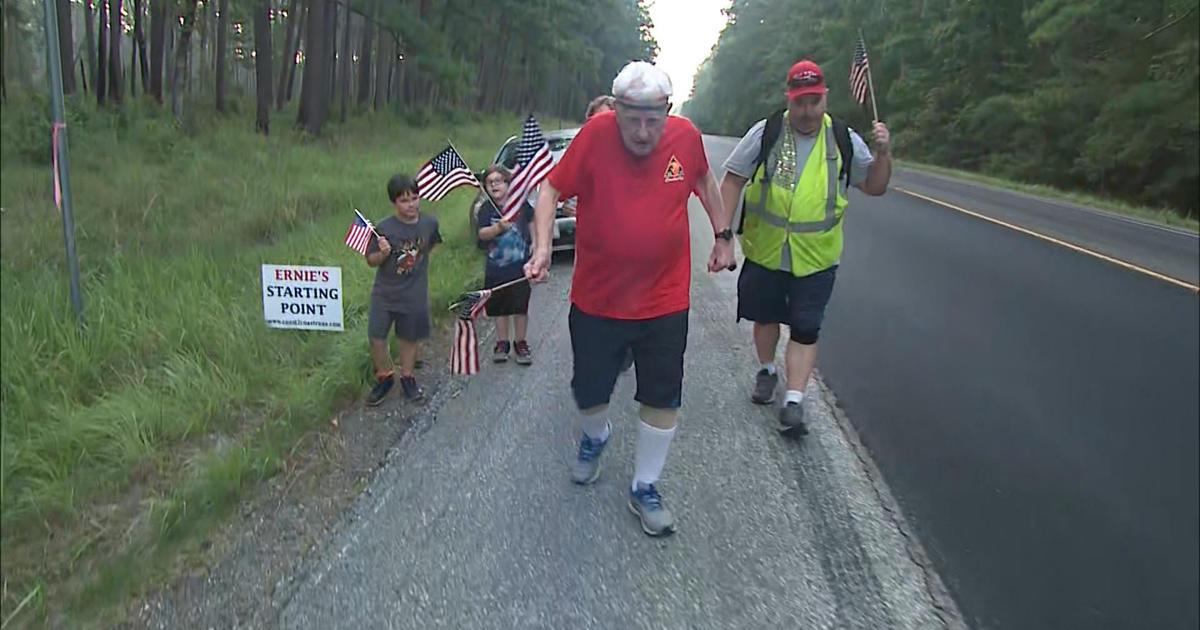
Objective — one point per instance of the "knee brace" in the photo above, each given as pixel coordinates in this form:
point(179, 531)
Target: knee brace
point(657, 417)
point(805, 336)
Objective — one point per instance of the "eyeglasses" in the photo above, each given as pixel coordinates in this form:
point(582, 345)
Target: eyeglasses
point(804, 79)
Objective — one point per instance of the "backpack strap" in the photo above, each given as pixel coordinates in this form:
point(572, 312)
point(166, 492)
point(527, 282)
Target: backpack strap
point(771, 130)
point(841, 134)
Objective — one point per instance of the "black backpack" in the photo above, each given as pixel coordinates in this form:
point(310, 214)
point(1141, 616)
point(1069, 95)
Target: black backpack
point(841, 135)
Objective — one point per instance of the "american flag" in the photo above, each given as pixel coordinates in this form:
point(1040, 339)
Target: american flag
point(533, 164)
point(858, 73)
point(359, 234)
point(464, 355)
point(443, 173)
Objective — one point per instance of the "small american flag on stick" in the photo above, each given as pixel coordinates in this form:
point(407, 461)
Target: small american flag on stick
point(533, 164)
point(860, 77)
point(442, 173)
point(359, 234)
point(464, 354)
point(858, 73)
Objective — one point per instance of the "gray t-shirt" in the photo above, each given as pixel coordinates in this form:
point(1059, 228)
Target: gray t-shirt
point(402, 281)
point(741, 160)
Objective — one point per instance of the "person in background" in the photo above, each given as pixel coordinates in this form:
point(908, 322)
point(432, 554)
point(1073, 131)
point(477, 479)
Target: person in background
point(400, 295)
point(508, 247)
point(792, 226)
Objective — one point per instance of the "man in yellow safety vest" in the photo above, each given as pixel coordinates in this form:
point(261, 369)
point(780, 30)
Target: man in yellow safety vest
point(800, 163)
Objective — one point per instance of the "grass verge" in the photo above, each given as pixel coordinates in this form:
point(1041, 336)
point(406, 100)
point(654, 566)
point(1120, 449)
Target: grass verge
point(122, 443)
point(1162, 216)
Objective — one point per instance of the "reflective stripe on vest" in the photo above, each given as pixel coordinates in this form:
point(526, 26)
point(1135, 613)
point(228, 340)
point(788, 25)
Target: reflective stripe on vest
point(759, 207)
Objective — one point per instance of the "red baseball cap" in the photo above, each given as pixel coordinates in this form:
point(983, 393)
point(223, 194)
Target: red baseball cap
point(805, 77)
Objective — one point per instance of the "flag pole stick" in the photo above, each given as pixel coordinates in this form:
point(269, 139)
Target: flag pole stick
point(870, 84)
point(493, 289)
point(369, 224)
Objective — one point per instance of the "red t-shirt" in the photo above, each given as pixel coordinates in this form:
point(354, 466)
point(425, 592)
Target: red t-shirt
point(632, 254)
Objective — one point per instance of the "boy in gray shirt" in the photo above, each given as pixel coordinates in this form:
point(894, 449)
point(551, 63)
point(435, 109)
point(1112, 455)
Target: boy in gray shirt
point(400, 296)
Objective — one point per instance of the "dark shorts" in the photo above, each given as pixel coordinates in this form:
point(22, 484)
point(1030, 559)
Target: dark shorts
point(770, 296)
point(513, 300)
point(600, 343)
point(409, 326)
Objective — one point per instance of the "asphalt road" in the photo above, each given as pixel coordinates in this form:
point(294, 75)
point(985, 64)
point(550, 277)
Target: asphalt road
point(1033, 408)
point(474, 522)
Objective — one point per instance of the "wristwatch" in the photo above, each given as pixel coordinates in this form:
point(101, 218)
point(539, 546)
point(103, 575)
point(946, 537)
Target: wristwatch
point(726, 234)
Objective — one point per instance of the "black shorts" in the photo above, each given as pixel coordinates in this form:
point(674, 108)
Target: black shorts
point(512, 300)
point(770, 296)
point(600, 343)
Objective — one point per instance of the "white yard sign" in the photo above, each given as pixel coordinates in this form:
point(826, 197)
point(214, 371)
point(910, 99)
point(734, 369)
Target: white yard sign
point(296, 296)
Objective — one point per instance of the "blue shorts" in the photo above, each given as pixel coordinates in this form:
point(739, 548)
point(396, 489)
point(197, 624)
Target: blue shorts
point(770, 296)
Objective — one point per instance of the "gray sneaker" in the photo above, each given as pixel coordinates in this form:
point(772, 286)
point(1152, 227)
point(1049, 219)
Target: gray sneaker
point(586, 468)
point(647, 504)
point(791, 420)
point(764, 387)
point(500, 352)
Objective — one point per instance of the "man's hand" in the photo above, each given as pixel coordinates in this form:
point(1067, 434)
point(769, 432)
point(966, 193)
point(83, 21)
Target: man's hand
point(721, 257)
point(384, 246)
point(538, 267)
point(883, 140)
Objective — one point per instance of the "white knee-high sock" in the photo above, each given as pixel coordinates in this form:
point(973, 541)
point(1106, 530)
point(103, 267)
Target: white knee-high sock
point(651, 453)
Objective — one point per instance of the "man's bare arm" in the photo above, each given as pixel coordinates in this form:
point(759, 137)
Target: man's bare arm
point(731, 191)
point(713, 200)
point(543, 215)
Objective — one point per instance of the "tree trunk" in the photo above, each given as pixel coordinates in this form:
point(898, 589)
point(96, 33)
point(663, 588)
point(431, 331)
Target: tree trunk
point(102, 55)
point(66, 45)
point(181, 55)
point(364, 63)
point(89, 31)
point(139, 42)
point(115, 81)
point(381, 69)
point(288, 62)
point(315, 86)
point(222, 27)
point(346, 64)
point(262, 65)
point(301, 40)
point(333, 50)
point(3, 48)
point(158, 25)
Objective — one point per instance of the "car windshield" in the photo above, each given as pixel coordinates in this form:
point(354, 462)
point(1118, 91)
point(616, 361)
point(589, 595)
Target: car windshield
point(558, 144)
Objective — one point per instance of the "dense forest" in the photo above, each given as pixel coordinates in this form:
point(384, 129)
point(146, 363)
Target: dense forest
point(333, 57)
point(1101, 96)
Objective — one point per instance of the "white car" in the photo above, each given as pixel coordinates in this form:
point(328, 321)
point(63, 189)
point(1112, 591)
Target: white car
point(564, 219)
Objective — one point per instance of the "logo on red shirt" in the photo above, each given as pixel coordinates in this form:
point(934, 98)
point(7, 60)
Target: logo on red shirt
point(674, 171)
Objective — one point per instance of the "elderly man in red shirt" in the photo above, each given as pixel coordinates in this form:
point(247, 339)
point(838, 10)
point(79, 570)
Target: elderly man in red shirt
point(633, 171)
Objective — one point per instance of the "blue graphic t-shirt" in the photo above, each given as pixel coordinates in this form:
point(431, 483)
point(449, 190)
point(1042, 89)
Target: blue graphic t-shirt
point(508, 252)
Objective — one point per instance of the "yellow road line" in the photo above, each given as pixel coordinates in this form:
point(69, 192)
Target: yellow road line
point(1071, 246)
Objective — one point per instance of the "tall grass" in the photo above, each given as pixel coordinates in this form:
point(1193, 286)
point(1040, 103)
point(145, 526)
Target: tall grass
point(175, 395)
